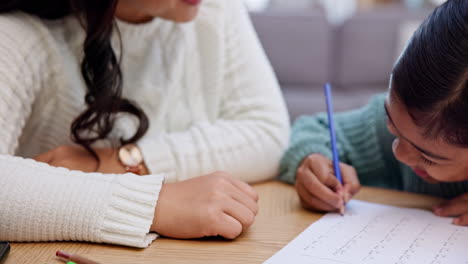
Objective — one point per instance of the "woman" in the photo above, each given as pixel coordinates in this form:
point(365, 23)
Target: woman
point(195, 98)
point(423, 120)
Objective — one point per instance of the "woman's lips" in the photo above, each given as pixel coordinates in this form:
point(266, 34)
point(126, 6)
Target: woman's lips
point(192, 2)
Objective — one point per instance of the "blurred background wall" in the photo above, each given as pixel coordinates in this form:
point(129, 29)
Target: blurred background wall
point(351, 43)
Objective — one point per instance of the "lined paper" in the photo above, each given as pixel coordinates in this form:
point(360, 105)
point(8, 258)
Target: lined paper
point(373, 233)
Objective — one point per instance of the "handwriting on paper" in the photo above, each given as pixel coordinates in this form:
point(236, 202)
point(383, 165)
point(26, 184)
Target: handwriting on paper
point(372, 233)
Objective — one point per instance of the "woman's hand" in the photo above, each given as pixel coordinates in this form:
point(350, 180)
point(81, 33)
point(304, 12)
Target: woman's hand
point(212, 205)
point(70, 157)
point(319, 189)
point(77, 158)
point(457, 207)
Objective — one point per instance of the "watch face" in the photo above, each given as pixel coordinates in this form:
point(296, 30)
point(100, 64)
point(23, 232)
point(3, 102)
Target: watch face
point(130, 155)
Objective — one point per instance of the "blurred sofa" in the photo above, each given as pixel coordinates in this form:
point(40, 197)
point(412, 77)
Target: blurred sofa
point(356, 56)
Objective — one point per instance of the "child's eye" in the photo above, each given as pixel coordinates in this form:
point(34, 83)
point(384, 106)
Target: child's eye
point(426, 161)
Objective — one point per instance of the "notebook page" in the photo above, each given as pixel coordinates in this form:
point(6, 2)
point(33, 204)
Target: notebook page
point(373, 233)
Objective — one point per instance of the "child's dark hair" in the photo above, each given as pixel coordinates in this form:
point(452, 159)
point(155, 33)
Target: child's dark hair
point(431, 77)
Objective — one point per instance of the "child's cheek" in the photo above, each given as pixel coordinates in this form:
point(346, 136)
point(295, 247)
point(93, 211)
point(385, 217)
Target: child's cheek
point(445, 174)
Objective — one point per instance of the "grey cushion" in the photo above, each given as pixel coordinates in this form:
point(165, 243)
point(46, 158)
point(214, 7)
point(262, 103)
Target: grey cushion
point(367, 44)
point(306, 100)
point(298, 46)
point(306, 51)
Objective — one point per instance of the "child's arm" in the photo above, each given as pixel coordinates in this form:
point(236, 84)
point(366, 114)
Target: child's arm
point(363, 142)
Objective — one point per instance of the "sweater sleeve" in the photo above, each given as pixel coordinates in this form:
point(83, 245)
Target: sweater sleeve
point(363, 142)
point(43, 203)
point(250, 134)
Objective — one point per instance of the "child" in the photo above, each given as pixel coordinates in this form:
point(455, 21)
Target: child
point(414, 139)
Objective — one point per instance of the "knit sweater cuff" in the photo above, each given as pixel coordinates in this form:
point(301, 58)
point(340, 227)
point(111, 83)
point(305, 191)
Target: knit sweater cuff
point(131, 211)
point(294, 157)
point(158, 157)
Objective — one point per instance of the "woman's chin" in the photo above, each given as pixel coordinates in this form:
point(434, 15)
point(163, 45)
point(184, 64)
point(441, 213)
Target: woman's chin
point(183, 17)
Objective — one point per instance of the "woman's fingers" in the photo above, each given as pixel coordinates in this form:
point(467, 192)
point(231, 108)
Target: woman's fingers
point(211, 204)
point(244, 199)
point(228, 227)
point(45, 157)
point(244, 187)
point(240, 212)
point(237, 190)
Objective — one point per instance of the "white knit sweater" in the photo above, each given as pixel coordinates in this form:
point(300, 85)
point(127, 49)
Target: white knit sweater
point(206, 86)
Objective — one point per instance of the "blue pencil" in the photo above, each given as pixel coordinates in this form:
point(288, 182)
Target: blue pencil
point(331, 125)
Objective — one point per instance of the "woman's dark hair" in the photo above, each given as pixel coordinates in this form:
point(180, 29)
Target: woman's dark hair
point(100, 66)
point(431, 77)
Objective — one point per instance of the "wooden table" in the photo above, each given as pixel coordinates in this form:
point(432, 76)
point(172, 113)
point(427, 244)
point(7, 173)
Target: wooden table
point(280, 220)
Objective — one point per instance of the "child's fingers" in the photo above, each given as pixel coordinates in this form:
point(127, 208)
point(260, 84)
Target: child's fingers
point(454, 207)
point(461, 220)
point(323, 169)
point(351, 181)
point(309, 201)
point(316, 188)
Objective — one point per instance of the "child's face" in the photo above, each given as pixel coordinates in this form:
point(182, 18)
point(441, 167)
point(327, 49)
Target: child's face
point(432, 160)
point(145, 10)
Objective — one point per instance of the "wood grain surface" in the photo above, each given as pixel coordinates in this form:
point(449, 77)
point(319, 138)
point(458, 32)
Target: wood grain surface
point(280, 220)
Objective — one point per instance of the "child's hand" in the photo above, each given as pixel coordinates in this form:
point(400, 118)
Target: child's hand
point(318, 187)
point(457, 207)
point(212, 205)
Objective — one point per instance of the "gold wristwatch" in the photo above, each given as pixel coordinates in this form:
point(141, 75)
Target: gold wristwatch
point(131, 158)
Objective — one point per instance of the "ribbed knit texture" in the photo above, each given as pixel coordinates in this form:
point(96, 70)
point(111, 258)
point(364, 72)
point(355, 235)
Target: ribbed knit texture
point(233, 117)
point(365, 143)
point(206, 86)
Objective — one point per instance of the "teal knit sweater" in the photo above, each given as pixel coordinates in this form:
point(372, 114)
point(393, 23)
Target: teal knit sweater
point(365, 143)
